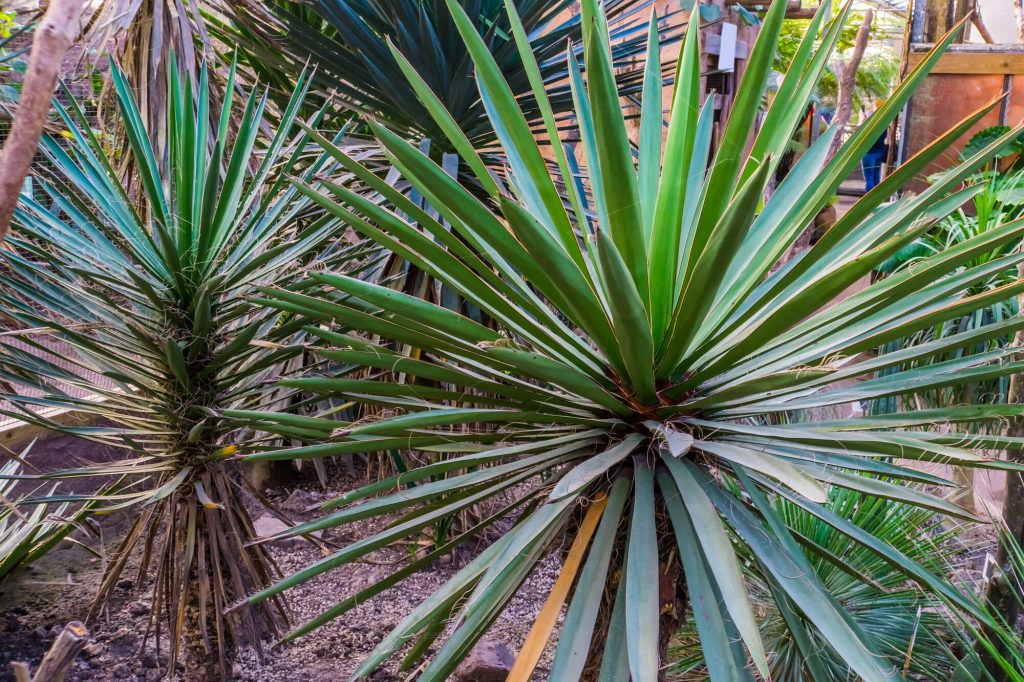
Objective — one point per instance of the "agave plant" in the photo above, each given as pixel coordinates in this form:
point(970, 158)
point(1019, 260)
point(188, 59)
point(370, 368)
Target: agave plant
point(152, 335)
point(904, 620)
point(26, 535)
point(351, 43)
point(631, 397)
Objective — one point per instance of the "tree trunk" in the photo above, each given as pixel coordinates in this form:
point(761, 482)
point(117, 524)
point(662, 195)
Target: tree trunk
point(979, 24)
point(848, 81)
point(1000, 597)
point(53, 37)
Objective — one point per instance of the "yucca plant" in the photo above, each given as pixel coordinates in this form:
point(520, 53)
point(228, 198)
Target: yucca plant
point(350, 43)
point(987, 211)
point(910, 629)
point(630, 399)
point(150, 333)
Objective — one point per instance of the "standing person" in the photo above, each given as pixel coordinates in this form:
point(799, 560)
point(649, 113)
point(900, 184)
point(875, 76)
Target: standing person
point(871, 164)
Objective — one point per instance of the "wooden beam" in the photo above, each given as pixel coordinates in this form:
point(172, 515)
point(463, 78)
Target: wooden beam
point(790, 4)
point(15, 432)
point(801, 13)
point(714, 46)
point(794, 9)
point(974, 62)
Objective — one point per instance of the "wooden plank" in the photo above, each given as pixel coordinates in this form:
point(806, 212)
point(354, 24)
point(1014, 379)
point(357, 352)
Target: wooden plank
point(14, 431)
point(974, 63)
point(714, 46)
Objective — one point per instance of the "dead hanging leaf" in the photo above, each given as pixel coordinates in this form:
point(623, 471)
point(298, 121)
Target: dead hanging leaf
point(678, 442)
point(542, 628)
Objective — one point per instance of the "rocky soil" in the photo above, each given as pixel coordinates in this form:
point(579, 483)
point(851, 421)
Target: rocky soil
point(36, 603)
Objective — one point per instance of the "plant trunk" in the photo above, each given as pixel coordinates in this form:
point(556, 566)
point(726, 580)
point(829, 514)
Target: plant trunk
point(1000, 596)
point(200, 664)
point(672, 600)
point(848, 81)
point(53, 37)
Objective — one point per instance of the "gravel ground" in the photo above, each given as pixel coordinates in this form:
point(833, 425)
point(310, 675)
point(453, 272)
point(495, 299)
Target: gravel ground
point(36, 603)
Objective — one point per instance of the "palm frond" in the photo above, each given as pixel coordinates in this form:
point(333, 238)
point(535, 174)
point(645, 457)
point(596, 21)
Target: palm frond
point(358, 48)
point(910, 629)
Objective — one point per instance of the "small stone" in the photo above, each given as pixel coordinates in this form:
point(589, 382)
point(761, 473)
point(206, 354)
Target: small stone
point(12, 623)
point(298, 501)
point(148, 660)
point(121, 671)
point(126, 583)
point(138, 608)
point(490, 661)
point(267, 526)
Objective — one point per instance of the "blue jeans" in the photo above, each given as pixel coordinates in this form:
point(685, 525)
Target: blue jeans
point(871, 166)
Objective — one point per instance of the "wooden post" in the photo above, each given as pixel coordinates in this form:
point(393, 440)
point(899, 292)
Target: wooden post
point(53, 37)
point(939, 18)
point(59, 658)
